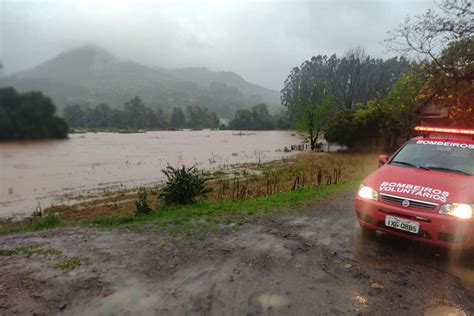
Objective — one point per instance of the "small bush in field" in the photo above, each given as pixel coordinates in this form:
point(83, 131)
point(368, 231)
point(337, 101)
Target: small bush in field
point(51, 220)
point(141, 205)
point(183, 186)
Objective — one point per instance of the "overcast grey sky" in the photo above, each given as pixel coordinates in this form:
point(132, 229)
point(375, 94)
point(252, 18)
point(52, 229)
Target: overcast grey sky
point(261, 41)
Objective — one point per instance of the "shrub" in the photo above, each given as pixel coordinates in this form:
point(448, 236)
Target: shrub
point(141, 205)
point(183, 186)
point(51, 220)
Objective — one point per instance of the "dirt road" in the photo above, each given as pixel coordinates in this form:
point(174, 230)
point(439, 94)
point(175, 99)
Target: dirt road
point(317, 261)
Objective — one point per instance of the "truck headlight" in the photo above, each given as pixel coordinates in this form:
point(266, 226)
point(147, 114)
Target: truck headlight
point(366, 192)
point(459, 210)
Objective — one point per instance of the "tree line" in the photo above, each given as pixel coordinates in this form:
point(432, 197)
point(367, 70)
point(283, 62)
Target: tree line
point(315, 92)
point(29, 115)
point(364, 103)
point(258, 117)
point(136, 115)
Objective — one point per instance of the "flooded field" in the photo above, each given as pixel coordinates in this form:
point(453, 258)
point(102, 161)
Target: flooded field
point(53, 172)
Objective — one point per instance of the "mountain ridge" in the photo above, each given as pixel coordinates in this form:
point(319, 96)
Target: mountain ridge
point(92, 75)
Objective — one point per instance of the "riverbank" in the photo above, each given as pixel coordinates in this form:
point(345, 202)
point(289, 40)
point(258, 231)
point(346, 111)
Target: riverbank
point(238, 192)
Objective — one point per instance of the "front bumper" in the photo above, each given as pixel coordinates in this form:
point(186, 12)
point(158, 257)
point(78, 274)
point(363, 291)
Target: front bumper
point(437, 229)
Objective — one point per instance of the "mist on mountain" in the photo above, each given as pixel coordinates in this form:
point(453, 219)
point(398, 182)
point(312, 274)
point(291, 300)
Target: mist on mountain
point(92, 75)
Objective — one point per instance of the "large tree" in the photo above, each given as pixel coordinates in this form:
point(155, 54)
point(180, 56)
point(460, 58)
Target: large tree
point(177, 119)
point(428, 34)
point(451, 85)
point(199, 117)
point(314, 91)
point(402, 103)
point(74, 115)
point(135, 114)
point(382, 122)
point(257, 118)
point(444, 39)
point(29, 115)
point(357, 78)
point(311, 107)
point(354, 78)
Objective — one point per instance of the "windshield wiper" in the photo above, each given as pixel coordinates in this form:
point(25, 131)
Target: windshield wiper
point(409, 164)
point(448, 169)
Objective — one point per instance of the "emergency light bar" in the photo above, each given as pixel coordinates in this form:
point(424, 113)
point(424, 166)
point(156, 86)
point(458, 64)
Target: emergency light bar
point(457, 131)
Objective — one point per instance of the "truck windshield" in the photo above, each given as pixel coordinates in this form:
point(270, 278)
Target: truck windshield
point(441, 156)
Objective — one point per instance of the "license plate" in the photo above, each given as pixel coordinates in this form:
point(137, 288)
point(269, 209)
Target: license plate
point(402, 224)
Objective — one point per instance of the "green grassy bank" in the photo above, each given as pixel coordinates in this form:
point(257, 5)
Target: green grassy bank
point(200, 218)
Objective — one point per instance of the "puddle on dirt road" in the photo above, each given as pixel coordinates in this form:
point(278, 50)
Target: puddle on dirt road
point(128, 300)
point(135, 300)
point(272, 301)
point(443, 310)
point(262, 302)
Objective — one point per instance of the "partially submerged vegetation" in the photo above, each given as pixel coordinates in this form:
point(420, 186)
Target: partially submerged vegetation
point(233, 196)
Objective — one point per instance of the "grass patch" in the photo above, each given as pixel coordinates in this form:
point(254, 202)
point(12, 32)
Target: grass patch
point(51, 220)
point(205, 217)
point(29, 251)
point(71, 263)
point(9, 252)
point(115, 221)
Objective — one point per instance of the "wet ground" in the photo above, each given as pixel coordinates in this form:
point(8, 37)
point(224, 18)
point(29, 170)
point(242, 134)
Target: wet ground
point(316, 261)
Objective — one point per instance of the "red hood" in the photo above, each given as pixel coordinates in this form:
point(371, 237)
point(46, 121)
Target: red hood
point(425, 185)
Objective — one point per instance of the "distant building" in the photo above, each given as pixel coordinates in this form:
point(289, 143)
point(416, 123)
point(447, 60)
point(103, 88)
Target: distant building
point(431, 115)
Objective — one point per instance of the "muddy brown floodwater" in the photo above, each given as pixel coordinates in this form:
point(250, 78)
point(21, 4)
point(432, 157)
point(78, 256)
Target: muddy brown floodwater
point(53, 172)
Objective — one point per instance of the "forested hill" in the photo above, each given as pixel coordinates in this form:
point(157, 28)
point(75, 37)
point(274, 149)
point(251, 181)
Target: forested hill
point(92, 75)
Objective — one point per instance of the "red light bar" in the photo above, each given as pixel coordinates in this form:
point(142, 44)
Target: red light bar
point(444, 130)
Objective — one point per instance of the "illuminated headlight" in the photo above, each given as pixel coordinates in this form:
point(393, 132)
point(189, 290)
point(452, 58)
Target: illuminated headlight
point(366, 192)
point(458, 210)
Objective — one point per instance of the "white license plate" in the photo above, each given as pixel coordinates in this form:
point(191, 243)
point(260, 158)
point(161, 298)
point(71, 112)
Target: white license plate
point(402, 224)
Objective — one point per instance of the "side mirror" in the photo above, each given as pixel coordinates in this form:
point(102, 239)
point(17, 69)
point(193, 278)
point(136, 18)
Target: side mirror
point(383, 160)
